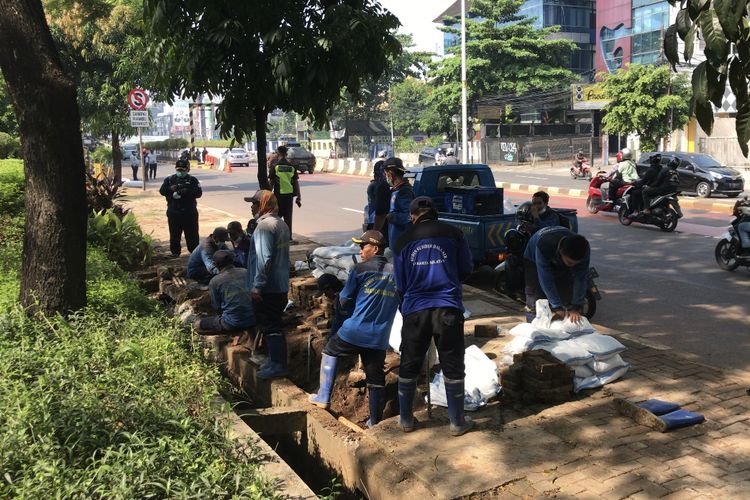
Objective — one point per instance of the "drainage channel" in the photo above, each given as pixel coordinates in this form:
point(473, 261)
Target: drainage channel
point(286, 432)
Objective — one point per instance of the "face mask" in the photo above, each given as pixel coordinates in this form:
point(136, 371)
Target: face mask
point(181, 174)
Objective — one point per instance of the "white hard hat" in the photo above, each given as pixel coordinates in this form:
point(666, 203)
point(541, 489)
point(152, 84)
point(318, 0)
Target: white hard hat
point(627, 154)
point(450, 151)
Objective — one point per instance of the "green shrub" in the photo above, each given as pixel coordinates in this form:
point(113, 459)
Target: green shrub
point(101, 193)
point(102, 155)
point(215, 143)
point(11, 187)
point(167, 144)
point(10, 147)
point(110, 290)
point(121, 238)
point(112, 407)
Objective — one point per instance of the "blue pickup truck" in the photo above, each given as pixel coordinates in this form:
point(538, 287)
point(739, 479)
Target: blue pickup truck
point(466, 197)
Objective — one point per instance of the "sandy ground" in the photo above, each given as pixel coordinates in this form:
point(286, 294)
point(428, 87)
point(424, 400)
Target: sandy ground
point(150, 209)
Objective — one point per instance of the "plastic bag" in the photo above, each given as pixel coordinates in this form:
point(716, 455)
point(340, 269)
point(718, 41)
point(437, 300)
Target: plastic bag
point(568, 351)
point(480, 383)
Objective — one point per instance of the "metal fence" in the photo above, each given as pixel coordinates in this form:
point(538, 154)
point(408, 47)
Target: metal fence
point(725, 149)
point(516, 150)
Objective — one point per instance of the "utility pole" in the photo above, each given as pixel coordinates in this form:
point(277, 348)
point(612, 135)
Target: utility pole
point(465, 141)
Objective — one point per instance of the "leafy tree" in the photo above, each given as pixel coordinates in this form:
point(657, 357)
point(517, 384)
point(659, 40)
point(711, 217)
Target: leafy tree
point(724, 26)
point(646, 100)
point(8, 122)
point(104, 47)
point(294, 55)
point(411, 109)
point(53, 270)
point(371, 101)
point(505, 54)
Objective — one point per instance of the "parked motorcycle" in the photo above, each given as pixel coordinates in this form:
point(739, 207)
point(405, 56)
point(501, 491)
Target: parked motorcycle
point(580, 170)
point(665, 211)
point(729, 252)
point(509, 274)
point(595, 203)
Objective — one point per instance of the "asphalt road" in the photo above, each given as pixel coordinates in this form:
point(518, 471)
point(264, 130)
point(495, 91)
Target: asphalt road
point(662, 287)
point(544, 175)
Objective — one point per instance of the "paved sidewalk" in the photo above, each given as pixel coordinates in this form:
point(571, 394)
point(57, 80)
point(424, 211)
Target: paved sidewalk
point(585, 448)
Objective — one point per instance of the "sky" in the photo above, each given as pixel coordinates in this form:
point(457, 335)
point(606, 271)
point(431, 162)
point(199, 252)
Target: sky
point(416, 18)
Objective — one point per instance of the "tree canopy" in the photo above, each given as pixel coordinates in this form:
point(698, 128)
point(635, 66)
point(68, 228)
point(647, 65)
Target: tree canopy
point(645, 100)
point(295, 55)
point(8, 123)
point(505, 54)
point(411, 108)
point(724, 27)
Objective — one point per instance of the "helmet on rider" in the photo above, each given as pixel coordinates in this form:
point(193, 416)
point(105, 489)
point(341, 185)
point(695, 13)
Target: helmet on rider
point(673, 163)
point(523, 212)
point(450, 152)
point(655, 159)
point(627, 154)
point(618, 156)
point(514, 240)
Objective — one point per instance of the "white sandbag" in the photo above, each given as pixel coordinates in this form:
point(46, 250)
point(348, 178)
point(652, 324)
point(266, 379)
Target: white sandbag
point(518, 345)
point(592, 382)
point(481, 373)
point(600, 346)
point(584, 371)
point(537, 333)
point(607, 365)
point(613, 375)
point(480, 382)
point(544, 322)
point(567, 351)
point(394, 340)
point(331, 252)
point(317, 273)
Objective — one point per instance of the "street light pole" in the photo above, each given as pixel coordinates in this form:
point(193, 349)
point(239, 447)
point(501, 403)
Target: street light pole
point(465, 141)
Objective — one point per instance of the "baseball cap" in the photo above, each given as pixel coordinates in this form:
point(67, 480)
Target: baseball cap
point(255, 198)
point(381, 154)
point(181, 163)
point(420, 203)
point(328, 281)
point(234, 226)
point(221, 234)
point(394, 164)
point(372, 236)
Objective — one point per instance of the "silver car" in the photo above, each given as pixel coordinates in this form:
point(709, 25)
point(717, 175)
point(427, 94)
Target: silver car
point(237, 157)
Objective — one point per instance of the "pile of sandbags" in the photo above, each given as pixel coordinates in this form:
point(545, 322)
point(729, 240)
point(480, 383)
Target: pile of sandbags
point(334, 260)
point(594, 357)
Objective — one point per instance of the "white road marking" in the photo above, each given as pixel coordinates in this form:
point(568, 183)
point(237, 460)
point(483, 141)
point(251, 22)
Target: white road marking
point(353, 210)
point(227, 186)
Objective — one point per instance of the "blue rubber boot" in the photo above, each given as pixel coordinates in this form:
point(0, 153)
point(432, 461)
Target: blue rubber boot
point(454, 394)
point(376, 396)
point(407, 388)
point(327, 375)
point(276, 367)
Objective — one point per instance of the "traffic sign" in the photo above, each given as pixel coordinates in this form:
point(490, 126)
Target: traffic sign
point(137, 99)
point(139, 118)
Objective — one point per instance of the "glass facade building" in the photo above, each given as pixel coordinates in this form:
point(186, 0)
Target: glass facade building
point(650, 21)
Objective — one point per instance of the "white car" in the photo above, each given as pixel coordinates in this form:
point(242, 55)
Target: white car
point(237, 157)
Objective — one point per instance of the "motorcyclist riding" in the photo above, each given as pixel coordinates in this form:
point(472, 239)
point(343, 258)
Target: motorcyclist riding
point(666, 181)
point(450, 157)
point(647, 179)
point(623, 173)
point(579, 159)
point(741, 210)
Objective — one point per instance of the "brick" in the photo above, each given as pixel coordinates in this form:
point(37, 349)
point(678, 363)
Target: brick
point(485, 331)
point(650, 489)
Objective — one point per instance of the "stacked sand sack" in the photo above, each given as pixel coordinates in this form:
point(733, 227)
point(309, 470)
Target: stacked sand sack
point(594, 357)
point(334, 260)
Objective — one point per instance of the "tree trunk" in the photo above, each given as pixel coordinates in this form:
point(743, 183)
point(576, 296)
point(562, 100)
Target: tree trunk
point(53, 272)
point(261, 118)
point(116, 156)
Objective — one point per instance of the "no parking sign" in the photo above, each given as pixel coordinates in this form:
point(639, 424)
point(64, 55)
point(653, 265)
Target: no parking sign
point(137, 99)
